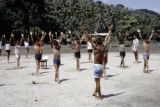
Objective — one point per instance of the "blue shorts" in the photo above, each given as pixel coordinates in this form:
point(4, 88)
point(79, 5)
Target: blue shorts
point(98, 70)
point(146, 56)
point(56, 61)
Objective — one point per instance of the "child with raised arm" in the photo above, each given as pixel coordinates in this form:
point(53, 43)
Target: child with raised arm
point(121, 38)
point(8, 46)
point(38, 52)
point(146, 48)
point(105, 58)
point(1, 41)
point(135, 44)
point(98, 67)
point(77, 53)
point(26, 45)
point(56, 46)
point(17, 50)
point(89, 48)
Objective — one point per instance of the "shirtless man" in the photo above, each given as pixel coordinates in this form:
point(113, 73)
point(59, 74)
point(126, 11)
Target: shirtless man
point(146, 53)
point(17, 50)
point(98, 67)
point(121, 39)
point(8, 46)
point(56, 46)
point(135, 45)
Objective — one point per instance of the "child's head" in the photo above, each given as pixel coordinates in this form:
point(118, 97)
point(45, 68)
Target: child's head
point(99, 41)
point(17, 42)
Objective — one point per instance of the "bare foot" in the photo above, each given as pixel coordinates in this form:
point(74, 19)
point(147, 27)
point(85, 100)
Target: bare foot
point(105, 77)
point(59, 82)
point(100, 97)
point(94, 94)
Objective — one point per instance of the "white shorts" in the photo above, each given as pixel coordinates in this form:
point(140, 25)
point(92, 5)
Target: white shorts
point(98, 70)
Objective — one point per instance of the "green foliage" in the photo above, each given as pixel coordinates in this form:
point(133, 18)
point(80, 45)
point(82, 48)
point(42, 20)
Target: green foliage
point(63, 15)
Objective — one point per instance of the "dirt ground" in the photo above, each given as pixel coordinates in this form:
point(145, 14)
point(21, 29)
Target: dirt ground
point(128, 87)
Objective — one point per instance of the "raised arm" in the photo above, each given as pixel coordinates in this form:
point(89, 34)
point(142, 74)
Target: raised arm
point(140, 35)
point(107, 38)
point(151, 35)
point(11, 38)
point(4, 39)
point(61, 37)
point(43, 36)
point(32, 37)
point(50, 36)
point(22, 38)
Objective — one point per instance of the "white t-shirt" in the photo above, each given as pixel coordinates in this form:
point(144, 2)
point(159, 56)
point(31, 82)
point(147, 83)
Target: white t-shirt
point(26, 44)
point(0, 44)
point(8, 47)
point(89, 45)
point(135, 44)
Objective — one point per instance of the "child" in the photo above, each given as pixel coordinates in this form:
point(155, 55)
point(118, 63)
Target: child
point(121, 39)
point(17, 51)
point(26, 45)
point(1, 41)
point(98, 67)
point(146, 53)
point(77, 53)
point(89, 48)
point(135, 45)
point(8, 46)
point(105, 58)
point(56, 46)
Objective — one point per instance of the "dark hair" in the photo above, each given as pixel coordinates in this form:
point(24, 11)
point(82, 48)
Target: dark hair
point(144, 37)
point(55, 43)
point(99, 41)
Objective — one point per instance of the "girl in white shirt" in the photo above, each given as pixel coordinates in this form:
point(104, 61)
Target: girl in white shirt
point(89, 48)
point(1, 41)
point(26, 45)
point(8, 46)
point(17, 52)
point(135, 47)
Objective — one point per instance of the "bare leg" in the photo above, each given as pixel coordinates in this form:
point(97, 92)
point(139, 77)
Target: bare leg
point(8, 56)
point(99, 88)
point(90, 56)
point(0, 51)
point(123, 62)
point(27, 53)
point(57, 73)
point(147, 66)
point(95, 91)
point(18, 62)
point(37, 66)
point(144, 69)
point(137, 56)
point(77, 64)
